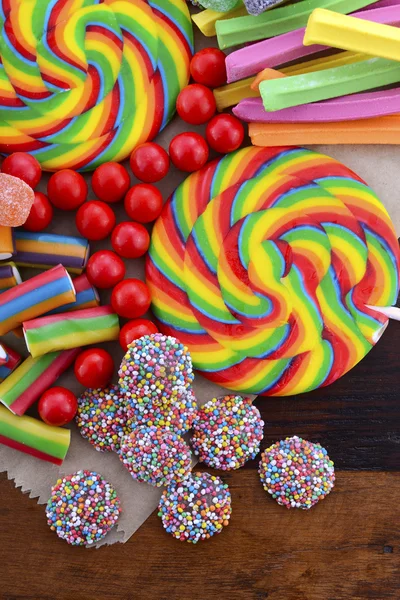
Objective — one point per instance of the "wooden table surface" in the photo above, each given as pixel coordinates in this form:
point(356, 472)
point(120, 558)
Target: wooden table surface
point(345, 548)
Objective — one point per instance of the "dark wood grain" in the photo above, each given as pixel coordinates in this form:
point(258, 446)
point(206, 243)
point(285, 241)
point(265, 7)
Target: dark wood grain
point(357, 418)
point(346, 548)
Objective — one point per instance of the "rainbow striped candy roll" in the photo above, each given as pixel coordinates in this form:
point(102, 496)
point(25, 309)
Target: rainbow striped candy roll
point(7, 246)
point(288, 47)
point(232, 32)
point(71, 330)
point(346, 108)
point(380, 130)
point(86, 296)
point(33, 377)
point(13, 360)
point(331, 83)
point(9, 276)
point(35, 297)
point(34, 437)
point(3, 355)
point(206, 19)
point(349, 33)
point(44, 250)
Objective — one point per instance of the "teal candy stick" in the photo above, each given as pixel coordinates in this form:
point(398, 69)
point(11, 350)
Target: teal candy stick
point(330, 83)
point(232, 32)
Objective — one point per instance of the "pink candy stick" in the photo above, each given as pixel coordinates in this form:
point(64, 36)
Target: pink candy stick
point(289, 46)
point(346, 108)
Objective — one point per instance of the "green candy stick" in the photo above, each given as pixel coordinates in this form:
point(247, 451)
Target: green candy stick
point(232, 32)
point(330, 83)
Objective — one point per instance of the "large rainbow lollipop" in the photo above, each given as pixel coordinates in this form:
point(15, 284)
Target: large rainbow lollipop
point(83, 82)
point(272, 266)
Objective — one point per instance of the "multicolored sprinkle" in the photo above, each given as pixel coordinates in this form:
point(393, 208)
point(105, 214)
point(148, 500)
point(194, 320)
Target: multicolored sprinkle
point(297, 473)
point(101, 418)
point(177, 415)
point(155, 456)
point(155, 369)
point(228, 432)
point(82, 508)
point(195, 509)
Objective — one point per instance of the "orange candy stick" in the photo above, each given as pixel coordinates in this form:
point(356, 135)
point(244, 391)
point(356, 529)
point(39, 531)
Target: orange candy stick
point(379, 130)
point(7, 247)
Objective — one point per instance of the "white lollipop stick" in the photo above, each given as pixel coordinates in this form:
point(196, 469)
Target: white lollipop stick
point(393, 312)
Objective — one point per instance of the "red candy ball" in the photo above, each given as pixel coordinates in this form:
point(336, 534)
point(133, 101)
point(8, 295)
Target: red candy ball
point(225, 133)
point(196, 104)
point(131, 298)
point(95, 220)
point(57, 406)
point(208, 67)
point(134, 330)
point(67, 189)
point(94, 368)
point(130, 240)
point(40, 215)
point(143, 203)
point(105, 269)
point(110, 182)
point(24, 166)
point(188, 151)
point(149, 162)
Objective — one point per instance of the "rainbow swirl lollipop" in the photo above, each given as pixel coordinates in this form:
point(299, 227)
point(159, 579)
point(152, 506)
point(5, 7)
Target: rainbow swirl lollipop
point(268, 264)
point(83, 82)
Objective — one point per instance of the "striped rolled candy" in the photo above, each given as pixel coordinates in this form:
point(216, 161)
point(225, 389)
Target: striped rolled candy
point(33, 377)
point(84, 82)
point(9, 276)
point(7, 247)
point(13, 359)
point(35, 297)
point(86, 296)
point(44, 250)
point(34, 437)
point(71, 330)
point(3, 355)
point(268, 264)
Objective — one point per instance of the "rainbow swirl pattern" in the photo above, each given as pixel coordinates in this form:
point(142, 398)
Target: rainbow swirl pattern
point(83, 82)
point(265, 263)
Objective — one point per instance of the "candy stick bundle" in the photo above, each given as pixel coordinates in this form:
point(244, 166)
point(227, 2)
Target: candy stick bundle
point(339, 92)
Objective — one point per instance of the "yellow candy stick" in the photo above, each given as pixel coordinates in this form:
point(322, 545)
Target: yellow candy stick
point(349, 33)
point(206, 19)
point(327, 62)
point(233, 93)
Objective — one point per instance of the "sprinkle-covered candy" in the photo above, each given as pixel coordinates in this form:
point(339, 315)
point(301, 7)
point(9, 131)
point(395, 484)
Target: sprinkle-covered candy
point(155, 368)
point(228, 432)
point(82, 508)
point(155, 456)
point(196, 508)
point(101, 418)
point(177, 415)
point(297, 473)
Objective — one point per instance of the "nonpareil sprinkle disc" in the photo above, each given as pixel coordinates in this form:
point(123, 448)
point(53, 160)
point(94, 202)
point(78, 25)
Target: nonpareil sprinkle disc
point(272, 266)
